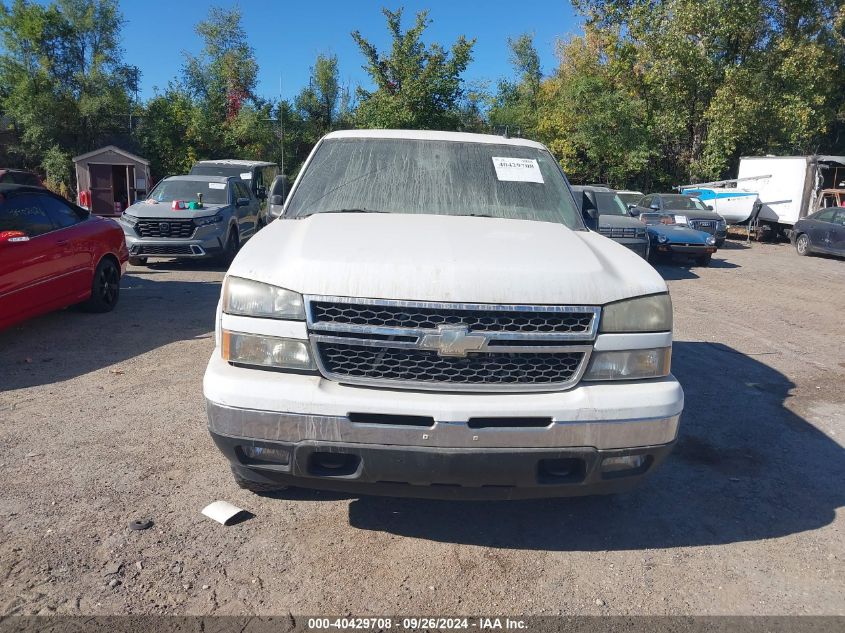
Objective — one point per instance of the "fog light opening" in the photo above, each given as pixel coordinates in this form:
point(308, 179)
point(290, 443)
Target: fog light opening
point(324, 464)
point(561, 471)
point(625, 465)
point(264, 455)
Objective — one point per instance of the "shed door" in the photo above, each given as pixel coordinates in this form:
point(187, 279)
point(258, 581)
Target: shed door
point(102, 195)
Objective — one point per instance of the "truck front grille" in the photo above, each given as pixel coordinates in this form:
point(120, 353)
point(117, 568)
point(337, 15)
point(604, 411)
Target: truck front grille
point(420, 366)
point(165, 228)
point(479, 320)
point(446, 346)
point(616, 232)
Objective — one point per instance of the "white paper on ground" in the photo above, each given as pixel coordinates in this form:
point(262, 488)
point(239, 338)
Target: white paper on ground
point(221, 511)
point(517, 169)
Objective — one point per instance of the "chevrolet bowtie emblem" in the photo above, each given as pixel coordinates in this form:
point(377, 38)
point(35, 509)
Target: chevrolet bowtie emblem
point(453, 340)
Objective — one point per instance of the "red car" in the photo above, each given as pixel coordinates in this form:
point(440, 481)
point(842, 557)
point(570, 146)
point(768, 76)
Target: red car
point(54, 254)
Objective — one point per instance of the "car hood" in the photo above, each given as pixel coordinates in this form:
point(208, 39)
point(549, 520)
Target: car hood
point(444, 258)
point(678, 233)
point(618, 221)
point(163, 211)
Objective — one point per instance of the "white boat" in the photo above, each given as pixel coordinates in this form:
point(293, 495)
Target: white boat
point(734, 204)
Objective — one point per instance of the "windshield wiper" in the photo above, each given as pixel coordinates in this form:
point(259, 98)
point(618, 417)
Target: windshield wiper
point(308, 215)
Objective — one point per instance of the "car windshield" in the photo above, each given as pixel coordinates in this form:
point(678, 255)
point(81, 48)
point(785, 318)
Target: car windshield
point(682, 203)
point(434, 177)
point(170, 190)
point(609, 203)
point(630, 198)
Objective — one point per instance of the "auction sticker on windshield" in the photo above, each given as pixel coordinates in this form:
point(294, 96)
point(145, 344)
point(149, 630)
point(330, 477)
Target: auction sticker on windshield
point(217, 185)
point(517, 169)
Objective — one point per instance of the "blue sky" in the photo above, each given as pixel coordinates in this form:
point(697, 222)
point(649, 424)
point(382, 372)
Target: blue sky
point(287, 36)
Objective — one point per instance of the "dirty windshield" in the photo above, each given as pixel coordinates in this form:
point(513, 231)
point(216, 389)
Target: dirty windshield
point(434, 177)
point(170, 190)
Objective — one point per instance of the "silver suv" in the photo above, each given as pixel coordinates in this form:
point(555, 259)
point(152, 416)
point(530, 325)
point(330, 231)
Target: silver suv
point(191, 216)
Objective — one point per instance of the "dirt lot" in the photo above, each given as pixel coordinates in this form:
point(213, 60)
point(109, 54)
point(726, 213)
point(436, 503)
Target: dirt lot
point(102, 422)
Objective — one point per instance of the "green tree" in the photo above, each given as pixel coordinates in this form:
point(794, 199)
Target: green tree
point(320, 101)
point(62, 81)
point(417, 86)
point(515, 104)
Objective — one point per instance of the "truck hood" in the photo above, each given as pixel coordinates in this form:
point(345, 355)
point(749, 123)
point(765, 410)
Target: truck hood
point(616, 221)
point(679, 234)
point(444, 258)
point(163, 211)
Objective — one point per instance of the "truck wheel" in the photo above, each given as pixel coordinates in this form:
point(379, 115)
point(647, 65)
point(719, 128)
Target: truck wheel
point(802, 244)
point(138, 261)
point(105, 287)
point(704, 260)
point(255, 486)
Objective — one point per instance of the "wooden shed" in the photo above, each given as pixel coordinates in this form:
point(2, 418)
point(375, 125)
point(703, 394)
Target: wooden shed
point(110, 179)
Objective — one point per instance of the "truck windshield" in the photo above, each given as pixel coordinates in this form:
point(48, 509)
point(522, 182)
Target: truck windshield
point(170, 190)
point(434, 177)
point(610, 204)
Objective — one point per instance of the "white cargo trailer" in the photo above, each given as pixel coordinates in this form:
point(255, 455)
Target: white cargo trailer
point(789, 187)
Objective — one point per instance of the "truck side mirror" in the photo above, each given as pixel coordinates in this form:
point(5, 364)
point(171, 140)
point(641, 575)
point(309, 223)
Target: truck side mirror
point(261, 194)
point(709, 207)
point(277, 200)
point(242, 202)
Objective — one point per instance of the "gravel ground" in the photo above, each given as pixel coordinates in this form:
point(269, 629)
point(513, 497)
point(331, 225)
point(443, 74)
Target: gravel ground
point(102, 422)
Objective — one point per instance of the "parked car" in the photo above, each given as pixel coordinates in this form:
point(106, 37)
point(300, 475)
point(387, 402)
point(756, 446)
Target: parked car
point(822, 232)
point(257, 174)
point(668, 238)
point(605, 212)
point(630, 197)
point(431, 317)
point(192, 217)
point(278, 194)
point(686, 210)
point(20, 177)
point(54, 254)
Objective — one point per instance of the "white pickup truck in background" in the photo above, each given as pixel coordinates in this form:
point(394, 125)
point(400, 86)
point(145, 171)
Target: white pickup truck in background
point(431, 317)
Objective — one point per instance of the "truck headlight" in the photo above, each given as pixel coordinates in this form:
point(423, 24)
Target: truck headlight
point(244, 297)
point(652, 313)
point(266, 351)
point(630, 364)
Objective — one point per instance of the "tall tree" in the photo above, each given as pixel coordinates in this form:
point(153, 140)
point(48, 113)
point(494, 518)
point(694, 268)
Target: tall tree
point(515, 105)
point(62, 80)
point(417, 86)
point(320, 101)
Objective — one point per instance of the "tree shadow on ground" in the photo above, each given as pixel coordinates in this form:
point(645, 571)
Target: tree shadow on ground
point(69, 343)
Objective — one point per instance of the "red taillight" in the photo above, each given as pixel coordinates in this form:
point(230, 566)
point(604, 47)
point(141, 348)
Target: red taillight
point(13, 236)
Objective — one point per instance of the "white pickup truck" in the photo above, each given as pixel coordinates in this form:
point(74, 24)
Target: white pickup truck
point(431, 317)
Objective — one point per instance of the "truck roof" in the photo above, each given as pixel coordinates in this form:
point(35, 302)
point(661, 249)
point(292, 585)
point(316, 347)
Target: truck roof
point(201, 178)
point(235, 162)
point(432, 135)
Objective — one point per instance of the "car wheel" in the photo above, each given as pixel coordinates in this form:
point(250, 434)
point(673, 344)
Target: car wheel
point(802, 244)
point(255, 486)
point(105, 287)
point(704, 260)
point(231, 248)
point(138, 261)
